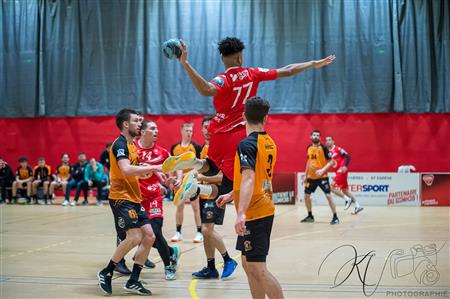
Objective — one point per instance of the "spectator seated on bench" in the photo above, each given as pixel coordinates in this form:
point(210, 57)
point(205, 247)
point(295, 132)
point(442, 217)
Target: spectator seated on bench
point(6, 181)
point(94, 176)
point(24, 178)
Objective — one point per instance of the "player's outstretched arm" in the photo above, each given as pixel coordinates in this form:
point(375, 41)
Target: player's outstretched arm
point(204, 87)
point(296, 68)
point(134, 170)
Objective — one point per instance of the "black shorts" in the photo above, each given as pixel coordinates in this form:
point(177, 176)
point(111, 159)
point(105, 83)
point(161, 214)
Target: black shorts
point(157, 224)
point(311, 185)
point(210, 212)
point(255, 243)
point(128, 214)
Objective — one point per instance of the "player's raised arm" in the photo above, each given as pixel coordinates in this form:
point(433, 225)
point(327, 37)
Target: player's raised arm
point(204, 87)
point(296, 68)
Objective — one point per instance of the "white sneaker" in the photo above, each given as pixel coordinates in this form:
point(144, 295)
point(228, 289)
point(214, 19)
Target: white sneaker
point(73, 203)
point(198, 238)
point(65, 203)
point(177, 237)
point(348, 203)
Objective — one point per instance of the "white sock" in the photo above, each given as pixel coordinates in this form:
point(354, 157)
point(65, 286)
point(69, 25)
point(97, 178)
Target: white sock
point(357, 206)
point(205, 190)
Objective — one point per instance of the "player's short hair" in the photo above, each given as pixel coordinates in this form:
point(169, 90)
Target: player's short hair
point(123, 116)
point(329, 136)
point(23, 159)
point(256, 109)
point(62, 155)
point(81, 153)
point(41, 159)
point(145, 123)
point(315, 131)
point(230, 45)
point(191, 125)
point(207, 118)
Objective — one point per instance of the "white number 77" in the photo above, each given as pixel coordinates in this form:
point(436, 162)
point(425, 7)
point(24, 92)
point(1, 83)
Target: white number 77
point(239, 90)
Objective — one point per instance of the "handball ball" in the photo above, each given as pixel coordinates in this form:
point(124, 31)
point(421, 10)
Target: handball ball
point(172, 48)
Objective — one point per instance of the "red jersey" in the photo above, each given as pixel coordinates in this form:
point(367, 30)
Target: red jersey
point(341, 157)
point(234, 87)
point(150, 190)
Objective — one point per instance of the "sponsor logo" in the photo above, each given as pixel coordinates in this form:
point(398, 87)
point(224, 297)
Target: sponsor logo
point(248, 245)
point(243, 157)
point(209, 214)
point(428, 179)
point(155, 211)
point(240, 75)
point(120, 152)
point(132, 214)
point(369, 188)
point(430, 202)
point(402, 196)
point(121, 222)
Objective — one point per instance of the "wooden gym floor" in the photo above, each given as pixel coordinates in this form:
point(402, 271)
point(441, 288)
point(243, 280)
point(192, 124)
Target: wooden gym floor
point(55, 252)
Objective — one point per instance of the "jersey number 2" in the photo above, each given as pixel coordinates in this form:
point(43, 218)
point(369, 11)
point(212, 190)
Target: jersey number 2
point(239, 91)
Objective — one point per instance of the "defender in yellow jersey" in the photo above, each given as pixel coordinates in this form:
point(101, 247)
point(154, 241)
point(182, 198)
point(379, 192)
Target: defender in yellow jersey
point(124, 199)
point(317, 165)
point(252, 190)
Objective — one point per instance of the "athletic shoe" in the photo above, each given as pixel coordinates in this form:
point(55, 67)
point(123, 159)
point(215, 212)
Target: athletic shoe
point(228, 268)
point(85, 203)
point(122, 268)
point(198, 238)
point(149, 264)
point(334, 221)
point(175, 256)
point(206, 273)
point(177, 237)
point(104, 282)
point(99, 203)
point(137, 288)
point(183, 161)
point(308, 219)
point(170, 272)
point(357, 210)
point(187, 189)
point(348, 203)
point(73, 203)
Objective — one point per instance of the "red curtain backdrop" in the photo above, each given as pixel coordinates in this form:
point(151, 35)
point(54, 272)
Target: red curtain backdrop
point(376, 142)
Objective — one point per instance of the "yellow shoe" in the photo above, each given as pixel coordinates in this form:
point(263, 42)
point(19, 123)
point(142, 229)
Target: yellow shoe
point(183, 161)
point(187, 189)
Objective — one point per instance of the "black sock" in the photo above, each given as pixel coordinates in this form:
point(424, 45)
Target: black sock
point(310, 214)
point(171, 250)
point(179, 228)
point(199, 229)
point(111, 266)
point(226, 257)
point(334, 216)
point(136, 272)
point(212, 264)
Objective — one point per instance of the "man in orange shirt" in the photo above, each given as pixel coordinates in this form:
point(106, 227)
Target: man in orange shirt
point(42, 178)
point(317, 165)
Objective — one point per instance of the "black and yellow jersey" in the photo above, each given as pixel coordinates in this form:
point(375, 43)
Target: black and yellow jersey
point(123, 187)
point(257, 152)
point(42, 173)
point(63, 171)
point(24, 173)
point(204, 152)
point(318, 156)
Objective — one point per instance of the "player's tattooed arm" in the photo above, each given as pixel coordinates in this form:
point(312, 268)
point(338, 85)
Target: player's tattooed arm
point(296, 68)
point(204, 87)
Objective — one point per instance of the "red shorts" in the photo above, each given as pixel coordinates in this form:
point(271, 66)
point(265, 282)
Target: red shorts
point(153, 206)
point(340, 181)
point(223, 147)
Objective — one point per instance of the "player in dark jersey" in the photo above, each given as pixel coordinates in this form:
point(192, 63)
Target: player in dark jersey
point(318, 164)
point(42, 174)
point(152, 198)
point(24, 178)
point(125, 202)
point(340, 183)
point(230, 90)
point(252, 192)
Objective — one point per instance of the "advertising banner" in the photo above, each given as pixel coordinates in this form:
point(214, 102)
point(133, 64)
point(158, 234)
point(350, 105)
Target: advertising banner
point(374, 189)
point(435, 189)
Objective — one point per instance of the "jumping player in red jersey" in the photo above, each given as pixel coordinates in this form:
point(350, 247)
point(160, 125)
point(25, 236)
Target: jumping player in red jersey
point(340, 182)
point(152, 199)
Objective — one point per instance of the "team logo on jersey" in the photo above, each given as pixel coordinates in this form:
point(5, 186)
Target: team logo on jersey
point(263, 70)
point(120, 152)
point(248, 245)
point(218, 80)
point(243, 158)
